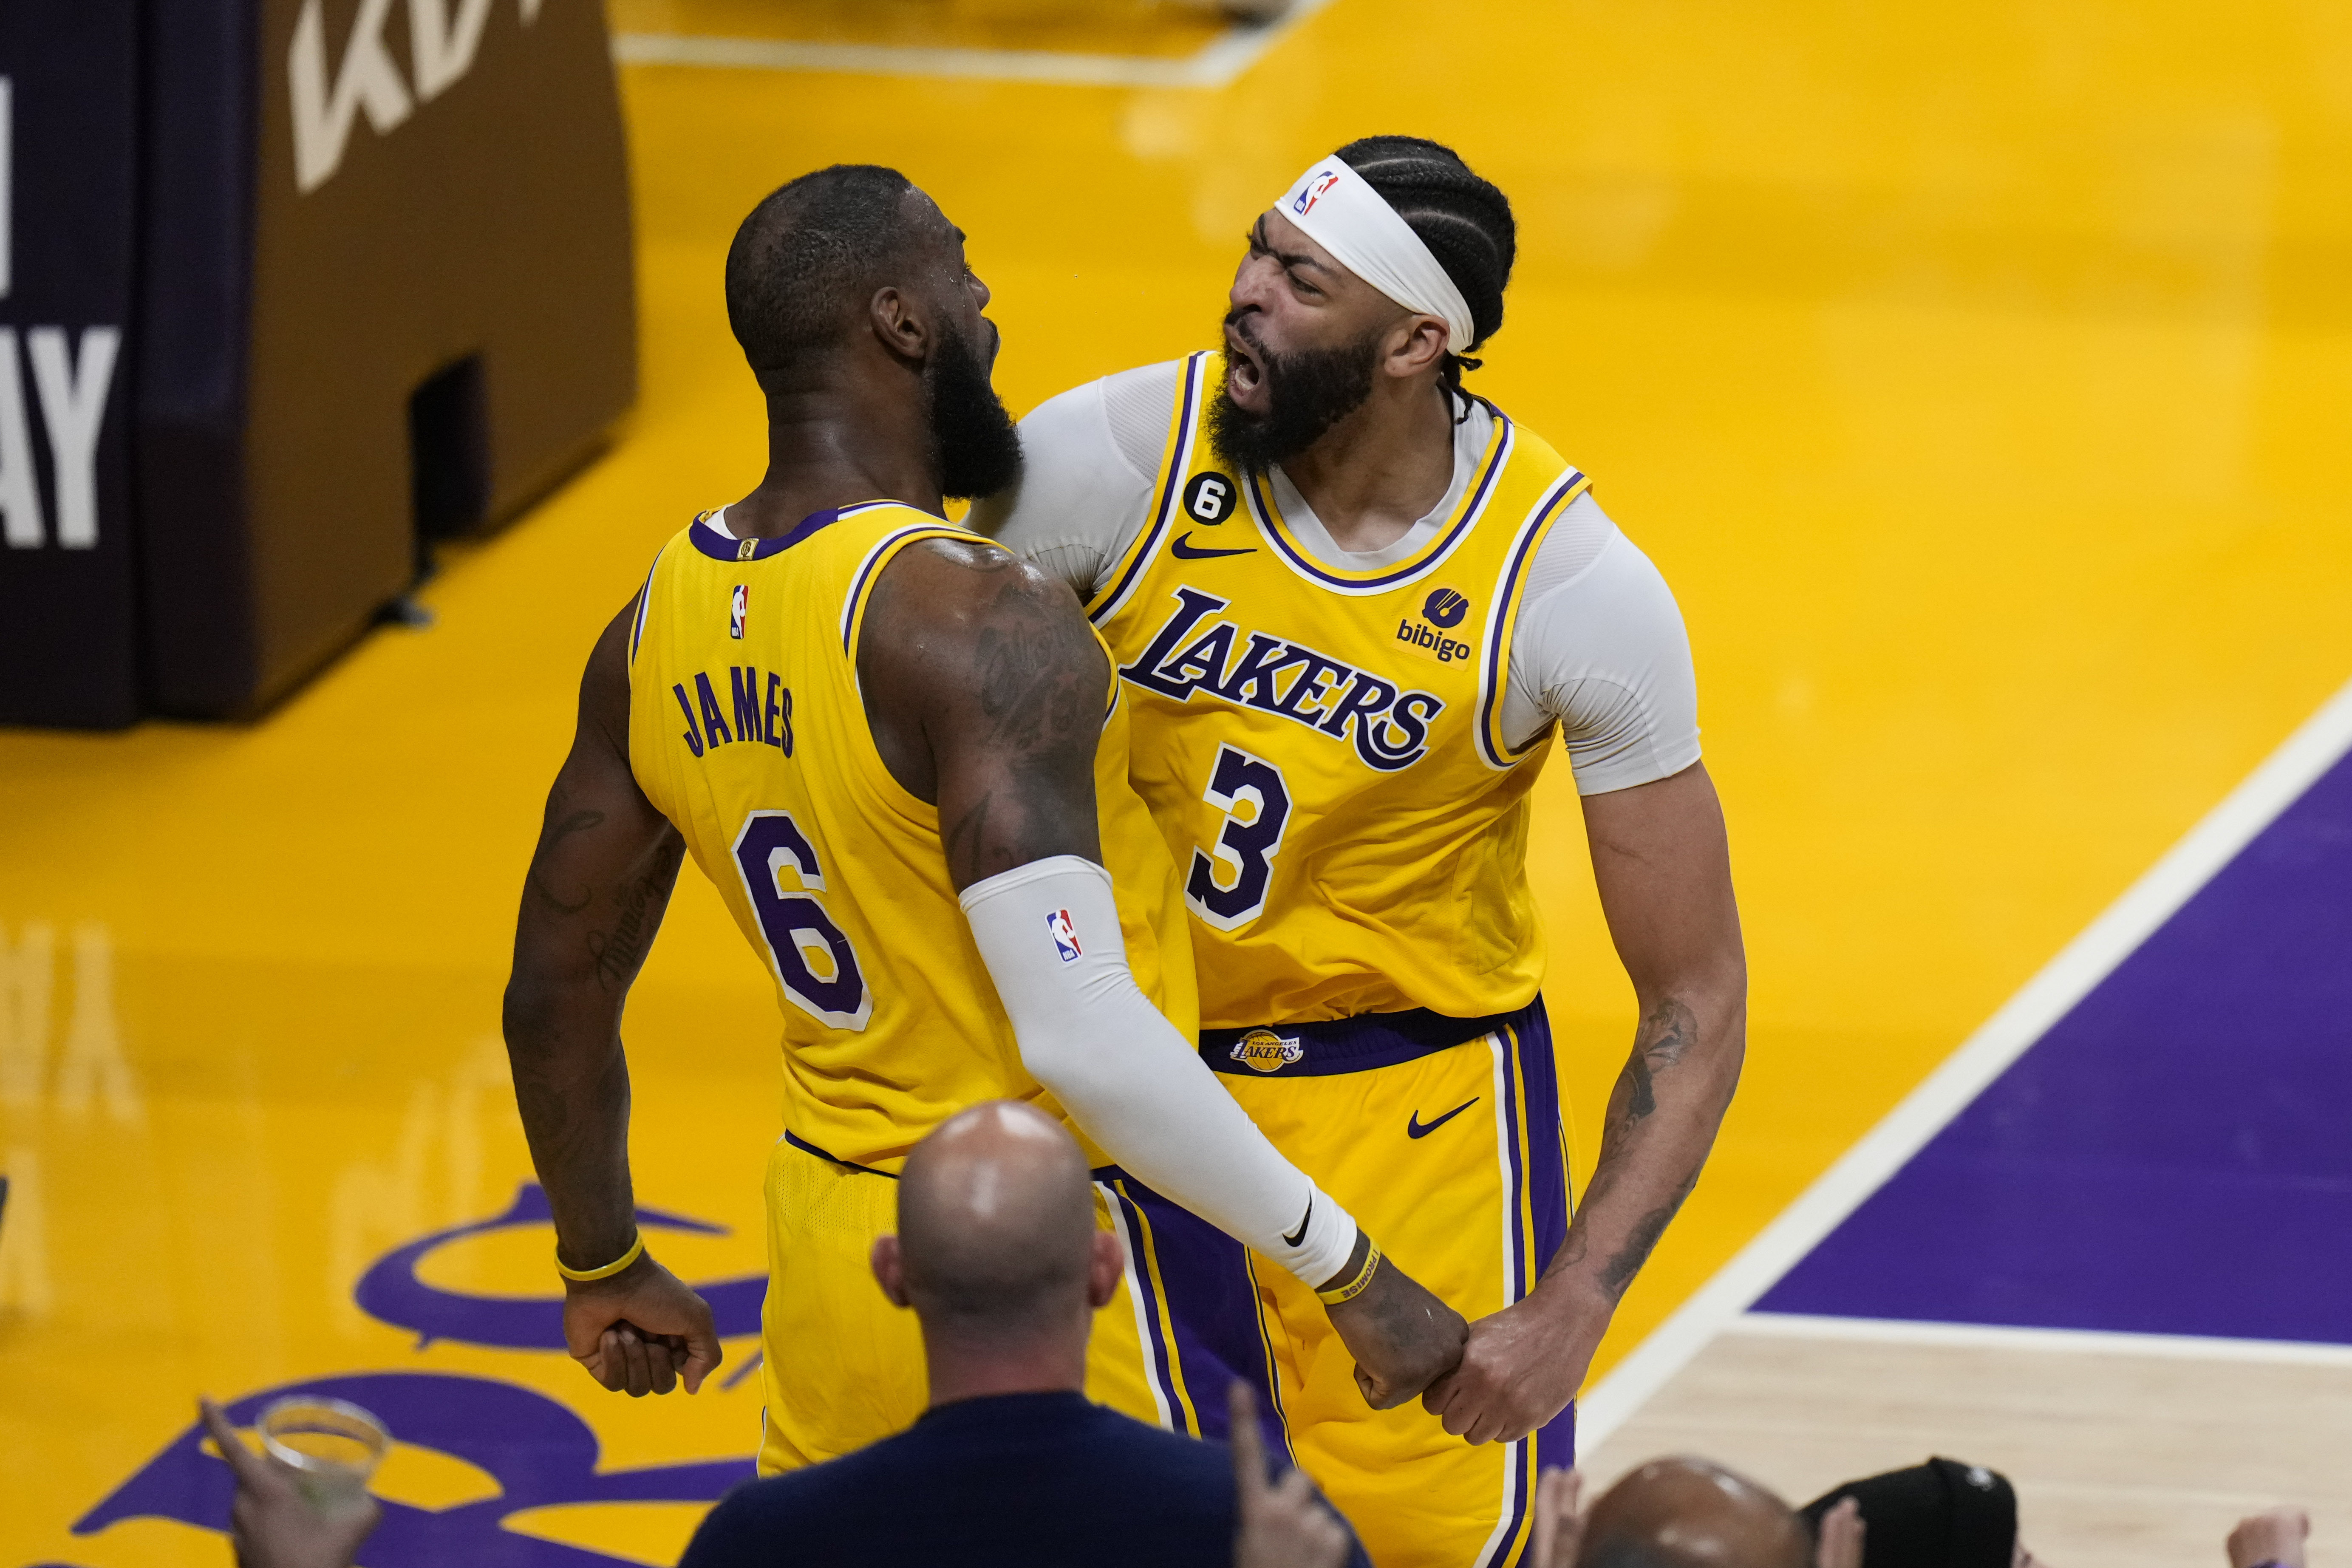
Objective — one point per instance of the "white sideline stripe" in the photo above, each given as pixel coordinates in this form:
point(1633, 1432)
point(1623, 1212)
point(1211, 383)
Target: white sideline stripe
point(1983, 1056)
point(1217, 63)
point(2065, 1342)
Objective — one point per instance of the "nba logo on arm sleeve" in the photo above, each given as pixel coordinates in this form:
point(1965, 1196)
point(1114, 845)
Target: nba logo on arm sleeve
point(738, 606)
point(1064, 933)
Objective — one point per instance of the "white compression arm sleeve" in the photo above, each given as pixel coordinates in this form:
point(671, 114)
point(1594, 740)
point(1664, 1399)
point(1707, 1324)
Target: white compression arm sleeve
point(1049, 933)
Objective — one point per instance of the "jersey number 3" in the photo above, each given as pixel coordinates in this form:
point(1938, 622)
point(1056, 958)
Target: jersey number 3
point(1228, 883)
point(775, 855)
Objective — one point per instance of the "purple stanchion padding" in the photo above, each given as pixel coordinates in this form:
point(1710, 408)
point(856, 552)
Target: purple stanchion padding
point(2174, 1156)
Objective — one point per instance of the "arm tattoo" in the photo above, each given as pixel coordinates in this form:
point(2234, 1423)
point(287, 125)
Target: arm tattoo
point(553, 835)
point(619, 955)
point(1029, 661)
point(968, 832)
point(1628, 1259)
point(1665, 1035)
point(1664, 1038)
point(574, 1123)
point(1041, 715)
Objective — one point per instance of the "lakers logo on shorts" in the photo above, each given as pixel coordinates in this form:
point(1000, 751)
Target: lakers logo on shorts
point(1263, 1050)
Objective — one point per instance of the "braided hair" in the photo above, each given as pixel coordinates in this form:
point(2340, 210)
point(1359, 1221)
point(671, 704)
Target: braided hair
point(1464, 221)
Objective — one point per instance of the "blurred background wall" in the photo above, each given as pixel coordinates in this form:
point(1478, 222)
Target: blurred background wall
point(301, 287)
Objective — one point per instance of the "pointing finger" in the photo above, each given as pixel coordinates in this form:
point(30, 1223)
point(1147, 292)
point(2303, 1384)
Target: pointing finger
point(1249, 1445)
point(248, 1465)
point(1558, 1531)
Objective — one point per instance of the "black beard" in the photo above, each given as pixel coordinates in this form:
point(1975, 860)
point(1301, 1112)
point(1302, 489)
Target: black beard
point(978, 444)
point(1306, 392)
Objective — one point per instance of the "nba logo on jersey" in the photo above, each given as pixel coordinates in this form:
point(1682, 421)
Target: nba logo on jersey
point(737, 608)
point(1064, 933)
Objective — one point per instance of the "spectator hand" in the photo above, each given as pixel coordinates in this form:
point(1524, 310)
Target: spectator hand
point(1283, 1523)
point(1520, 1368)
point(1841, 1536)
point(2276, 1536)
point(1559, 1531)
point(1402, 1337)
point(641, 1331)
point(273, 1523)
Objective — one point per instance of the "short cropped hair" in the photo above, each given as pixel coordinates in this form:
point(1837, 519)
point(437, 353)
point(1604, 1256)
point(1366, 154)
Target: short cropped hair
point(809, 255)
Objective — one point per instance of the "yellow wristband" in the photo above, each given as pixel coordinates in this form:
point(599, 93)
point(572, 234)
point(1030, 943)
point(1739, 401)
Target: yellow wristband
point(1361, 1283)
point(588, 1276)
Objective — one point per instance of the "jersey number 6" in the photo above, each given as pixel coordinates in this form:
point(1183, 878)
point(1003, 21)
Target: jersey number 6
point(773, 854)
point(1227, 886)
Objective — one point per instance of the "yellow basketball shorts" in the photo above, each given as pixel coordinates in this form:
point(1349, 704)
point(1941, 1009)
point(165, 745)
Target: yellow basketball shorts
point(840, 1365)
point(1443, 1138)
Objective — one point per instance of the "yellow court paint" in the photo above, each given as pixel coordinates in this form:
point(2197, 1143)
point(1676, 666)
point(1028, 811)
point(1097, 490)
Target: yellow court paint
point(1977, 380)
point(1151, 29)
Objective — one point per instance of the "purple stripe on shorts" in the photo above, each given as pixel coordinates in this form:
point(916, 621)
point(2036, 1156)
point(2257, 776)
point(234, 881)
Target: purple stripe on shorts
point(1155, 1336)
point(1212, 1310)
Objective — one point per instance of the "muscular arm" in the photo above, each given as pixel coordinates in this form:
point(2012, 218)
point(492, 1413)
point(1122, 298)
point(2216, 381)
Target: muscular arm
point(985, 690)
point(599, 880)
point(1664, 867)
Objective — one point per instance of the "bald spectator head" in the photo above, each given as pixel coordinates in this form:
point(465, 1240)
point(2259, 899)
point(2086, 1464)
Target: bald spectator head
point(1689, 1513)
point(998, 1253)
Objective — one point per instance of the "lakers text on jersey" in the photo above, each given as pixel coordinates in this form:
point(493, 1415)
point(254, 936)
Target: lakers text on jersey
point(1340, 726)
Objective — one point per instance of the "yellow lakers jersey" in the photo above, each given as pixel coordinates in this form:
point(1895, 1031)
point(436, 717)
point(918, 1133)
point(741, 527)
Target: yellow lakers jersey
point(747, 731)
point(1322, 748)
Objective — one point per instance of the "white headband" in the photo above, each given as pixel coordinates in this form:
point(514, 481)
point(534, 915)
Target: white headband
point(1335, 207)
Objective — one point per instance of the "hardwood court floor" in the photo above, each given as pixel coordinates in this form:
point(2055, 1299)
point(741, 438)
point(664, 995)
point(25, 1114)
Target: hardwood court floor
point(2124, 1452)
point(1977, 380)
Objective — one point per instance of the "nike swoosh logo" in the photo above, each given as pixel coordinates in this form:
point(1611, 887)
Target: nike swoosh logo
point(1414, 1127)
point(1295, 1237)
point(1185, 550)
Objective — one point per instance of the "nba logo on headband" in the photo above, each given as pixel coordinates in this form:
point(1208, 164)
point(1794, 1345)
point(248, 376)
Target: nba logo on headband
point(1304, 201)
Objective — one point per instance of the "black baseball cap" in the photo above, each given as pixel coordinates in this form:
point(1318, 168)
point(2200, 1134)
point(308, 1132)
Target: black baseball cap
point(1941, 1514)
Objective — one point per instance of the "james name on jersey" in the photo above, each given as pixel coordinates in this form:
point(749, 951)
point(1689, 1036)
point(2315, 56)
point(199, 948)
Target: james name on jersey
point(763, 719)
point(1194, 652)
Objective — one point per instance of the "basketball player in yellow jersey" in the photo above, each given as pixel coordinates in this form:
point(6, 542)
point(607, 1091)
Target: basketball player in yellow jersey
point(1356, 609)
point(900, 756)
